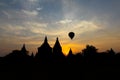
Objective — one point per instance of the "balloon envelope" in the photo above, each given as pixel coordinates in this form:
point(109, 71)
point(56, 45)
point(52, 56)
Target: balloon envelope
point(71, 35)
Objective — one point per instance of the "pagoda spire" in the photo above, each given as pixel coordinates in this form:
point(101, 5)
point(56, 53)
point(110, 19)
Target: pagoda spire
point(57, 46)
point(23, 49)
point(46, 40)
point(70, 54)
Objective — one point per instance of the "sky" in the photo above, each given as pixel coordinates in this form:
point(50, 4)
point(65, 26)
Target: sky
point(94, 22)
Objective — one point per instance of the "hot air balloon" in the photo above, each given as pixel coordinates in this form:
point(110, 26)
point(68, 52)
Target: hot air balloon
point(71, 35)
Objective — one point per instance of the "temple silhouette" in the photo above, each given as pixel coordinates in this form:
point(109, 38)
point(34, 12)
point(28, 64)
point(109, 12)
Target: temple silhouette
point(50, 62)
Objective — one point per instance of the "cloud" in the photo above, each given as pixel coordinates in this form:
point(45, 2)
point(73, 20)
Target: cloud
point(28, 32)
point(3, 4)
point(25, 29)
point(30, 3)
point(77, 26)
point(71, 9)
point(86, 26)
point(19, 16)
point(30, 13)
point(32, 0)
point(36, 27)
point(65, 21)
point(7, 14)
point(36, 24)
point(62, 29)
point(12, 28)
point(39, 8)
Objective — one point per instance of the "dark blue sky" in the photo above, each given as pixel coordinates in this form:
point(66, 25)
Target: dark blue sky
point(95, 22)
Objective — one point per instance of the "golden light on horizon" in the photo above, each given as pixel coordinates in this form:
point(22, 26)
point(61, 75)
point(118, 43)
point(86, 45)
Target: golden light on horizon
point(75, 48)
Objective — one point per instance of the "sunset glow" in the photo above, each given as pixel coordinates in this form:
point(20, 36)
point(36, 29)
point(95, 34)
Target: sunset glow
point(94, 22)
point(75, 48)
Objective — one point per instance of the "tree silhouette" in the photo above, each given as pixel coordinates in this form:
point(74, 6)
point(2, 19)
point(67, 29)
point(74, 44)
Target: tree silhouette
point(89, 50)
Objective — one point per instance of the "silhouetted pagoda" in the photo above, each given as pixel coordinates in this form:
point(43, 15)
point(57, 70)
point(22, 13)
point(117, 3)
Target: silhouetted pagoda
point(18, 56)
point(70, 54)
point(24, 50)
point(44, 52)
point(57, 51)
point(70, 57)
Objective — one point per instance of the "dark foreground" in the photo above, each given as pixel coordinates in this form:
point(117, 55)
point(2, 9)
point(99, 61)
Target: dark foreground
point(50, 64)
point(59, 71)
